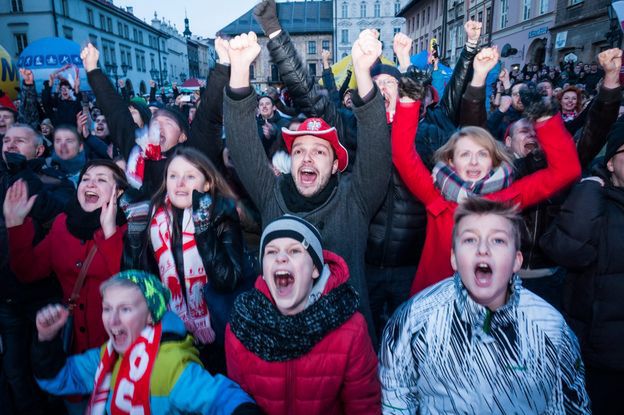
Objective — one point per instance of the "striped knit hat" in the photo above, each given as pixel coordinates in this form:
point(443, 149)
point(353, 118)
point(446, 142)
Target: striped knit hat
point(289, 226)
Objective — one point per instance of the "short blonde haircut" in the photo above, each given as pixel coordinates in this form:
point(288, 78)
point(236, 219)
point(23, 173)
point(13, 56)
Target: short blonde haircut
point(480, 136)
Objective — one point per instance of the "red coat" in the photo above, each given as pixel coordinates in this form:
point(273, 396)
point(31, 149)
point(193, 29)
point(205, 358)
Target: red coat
point(435, 265)
point(62, 253)
point(338, 376)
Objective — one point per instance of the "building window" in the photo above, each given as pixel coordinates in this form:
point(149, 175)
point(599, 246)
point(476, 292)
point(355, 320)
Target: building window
point(311, 47)
point(140, 37)
point(102, 22)
point(526, 10)
point(428, 13)
point(126, 32)
point(377, 9)
point(362, 9)
point(274, 73)
point(344, 10)
point(135, 34)
point(397, 7)
point(16, 6)
point(21, 40)
point(119, 29)
point(417, 21)
point(109, 23)
point(396, 30)
point(480, 17)
point(312, 69)
point(252, 71)
point(344, 36)
point(503, 16)
point(90, 17)
point(68, 32)
point(543, 6)
point(325, 44)
point(573, 2)
point(65, 7)
point(488, 17)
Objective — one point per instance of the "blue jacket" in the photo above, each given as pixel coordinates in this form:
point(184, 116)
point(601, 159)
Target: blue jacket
point(179, 384)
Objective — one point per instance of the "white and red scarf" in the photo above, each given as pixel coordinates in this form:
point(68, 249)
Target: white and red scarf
point(193, 311)
point(131, 394)
point(147, 148)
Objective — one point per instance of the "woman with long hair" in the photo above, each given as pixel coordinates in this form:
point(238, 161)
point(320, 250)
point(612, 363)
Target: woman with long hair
point(472, 163)
point(571, 100)
point(194, 238)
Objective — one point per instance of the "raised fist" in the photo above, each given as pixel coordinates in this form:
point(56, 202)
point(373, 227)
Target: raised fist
point(366, 49)
point(243, 49)
point(222, 46)
point(27, 76)
point(485, 60)
point(402, 45)
point(50, 320)
point(90, 56)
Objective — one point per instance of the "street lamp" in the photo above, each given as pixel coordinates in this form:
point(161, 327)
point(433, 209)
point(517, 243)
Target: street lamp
point(154, 74)
point(164, 76)
point(124, 69)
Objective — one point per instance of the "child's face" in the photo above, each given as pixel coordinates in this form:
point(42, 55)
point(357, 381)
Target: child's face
point(289, 271)
point(486, 257)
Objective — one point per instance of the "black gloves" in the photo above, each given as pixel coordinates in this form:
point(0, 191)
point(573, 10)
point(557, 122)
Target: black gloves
point(536, 105)
point(266, 15)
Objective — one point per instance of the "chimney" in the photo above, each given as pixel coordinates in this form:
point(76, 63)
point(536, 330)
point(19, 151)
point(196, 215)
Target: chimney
point(130, 10)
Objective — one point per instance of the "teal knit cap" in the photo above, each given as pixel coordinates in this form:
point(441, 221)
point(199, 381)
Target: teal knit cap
point(156, 295)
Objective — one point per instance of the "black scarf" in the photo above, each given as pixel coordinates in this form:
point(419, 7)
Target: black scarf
point(274, 337)
point(83, 224)
point(295, 202)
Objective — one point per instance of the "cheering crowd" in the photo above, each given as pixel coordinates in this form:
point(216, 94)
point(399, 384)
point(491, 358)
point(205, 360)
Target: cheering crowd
point(316, 249)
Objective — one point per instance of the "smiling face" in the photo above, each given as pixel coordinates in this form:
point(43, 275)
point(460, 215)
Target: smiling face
point(289, 272)
point(312, 164)
point(95, 188)
point(101, 127)
point(182, 178)
point(170, 132)
point(522, 140)
point(65, 92)
point(486, 256)
point(471, 160)
point(66, 144)
point(568, 101)
point(124, 315)
point(266, 108)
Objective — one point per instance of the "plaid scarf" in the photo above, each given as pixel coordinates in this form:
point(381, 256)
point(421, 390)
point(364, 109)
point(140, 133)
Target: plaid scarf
point(132, 388)
point(455, 189)
point(274, 337)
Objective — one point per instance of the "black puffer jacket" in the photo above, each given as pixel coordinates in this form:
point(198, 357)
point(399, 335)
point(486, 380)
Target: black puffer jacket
point(397, 231)
point(587, 238)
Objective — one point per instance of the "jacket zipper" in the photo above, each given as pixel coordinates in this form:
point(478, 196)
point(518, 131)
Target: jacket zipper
point(533, 239)
point(290, 388)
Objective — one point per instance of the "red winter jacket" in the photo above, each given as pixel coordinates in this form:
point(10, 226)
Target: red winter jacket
point(435, 265)
point(62, 253)
point(338, 376)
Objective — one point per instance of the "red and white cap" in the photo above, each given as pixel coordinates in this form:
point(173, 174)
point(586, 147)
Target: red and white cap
point(317, 127)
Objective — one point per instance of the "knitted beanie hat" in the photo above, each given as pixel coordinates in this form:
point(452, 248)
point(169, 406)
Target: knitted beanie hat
point(156, 295)
point(289, 226)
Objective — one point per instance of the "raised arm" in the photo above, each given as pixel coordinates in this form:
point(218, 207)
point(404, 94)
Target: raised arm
point(473, 111)
point(558, 146)
point(412, 170)
point(604, 108)
point(239, 109)
point(28, 99)
point(120, 123)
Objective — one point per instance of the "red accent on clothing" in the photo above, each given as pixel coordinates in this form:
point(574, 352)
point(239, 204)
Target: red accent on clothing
point(435, 265)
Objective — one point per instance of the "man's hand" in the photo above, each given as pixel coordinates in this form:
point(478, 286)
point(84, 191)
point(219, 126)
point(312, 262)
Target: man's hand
point(121, 83)
point(222, 46)
point(402, 45)
point(152, 83)
point(27, 76)
point(81, 124)
point(243, 51)
point(90, 56)
point(325, 55)
point(473, 31)
point(483, 63)
point(611, 61)
point(265, 13)
point(50, 320)
point(505, 103)
point(366, 49)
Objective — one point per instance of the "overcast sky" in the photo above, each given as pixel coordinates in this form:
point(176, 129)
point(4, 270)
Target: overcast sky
point(206, 17)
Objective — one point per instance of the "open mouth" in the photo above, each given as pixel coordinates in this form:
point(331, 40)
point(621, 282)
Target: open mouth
point(529, 146)
point(91, 197)
point(284, 282)
point(307, 175)
point(119, 336)
point(483, 274)
point(473, 174)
